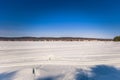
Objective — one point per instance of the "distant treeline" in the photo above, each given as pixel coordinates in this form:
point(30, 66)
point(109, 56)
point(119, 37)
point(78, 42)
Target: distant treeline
point(117, 38)
point(51, 39)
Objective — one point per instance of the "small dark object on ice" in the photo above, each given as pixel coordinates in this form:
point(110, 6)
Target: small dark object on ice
point(33, 71)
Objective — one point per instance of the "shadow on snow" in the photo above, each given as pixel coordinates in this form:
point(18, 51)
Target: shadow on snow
point(50, 78)
point(100, 72)
point(7, 76)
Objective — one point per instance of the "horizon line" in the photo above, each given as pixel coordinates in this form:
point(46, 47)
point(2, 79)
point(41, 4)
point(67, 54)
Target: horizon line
point(49, 37)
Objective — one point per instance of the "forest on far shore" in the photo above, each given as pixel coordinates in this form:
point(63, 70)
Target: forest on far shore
point(51, 39)
point(117, 38)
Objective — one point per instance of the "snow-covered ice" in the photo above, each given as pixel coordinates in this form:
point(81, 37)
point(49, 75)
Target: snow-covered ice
point(59, 60)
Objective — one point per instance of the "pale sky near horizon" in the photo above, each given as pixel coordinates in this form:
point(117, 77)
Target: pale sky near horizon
point(60, 18)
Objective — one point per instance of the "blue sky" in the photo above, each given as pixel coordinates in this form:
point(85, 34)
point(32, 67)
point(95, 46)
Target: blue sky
point(60, 18)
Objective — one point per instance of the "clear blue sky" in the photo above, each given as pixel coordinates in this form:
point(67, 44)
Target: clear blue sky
point(60, 18)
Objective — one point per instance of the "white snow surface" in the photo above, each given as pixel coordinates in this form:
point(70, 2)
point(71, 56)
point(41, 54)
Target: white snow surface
point(55, 60)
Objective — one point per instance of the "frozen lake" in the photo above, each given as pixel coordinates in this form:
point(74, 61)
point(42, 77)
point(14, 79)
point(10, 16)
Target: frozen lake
point(67, 56)
point(59, 53)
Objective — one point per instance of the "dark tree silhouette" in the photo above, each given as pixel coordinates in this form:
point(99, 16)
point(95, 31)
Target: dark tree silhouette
point(117, 38)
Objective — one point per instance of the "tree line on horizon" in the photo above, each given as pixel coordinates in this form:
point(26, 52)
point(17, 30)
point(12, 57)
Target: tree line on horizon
point(51, 39)
point(117, 38)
